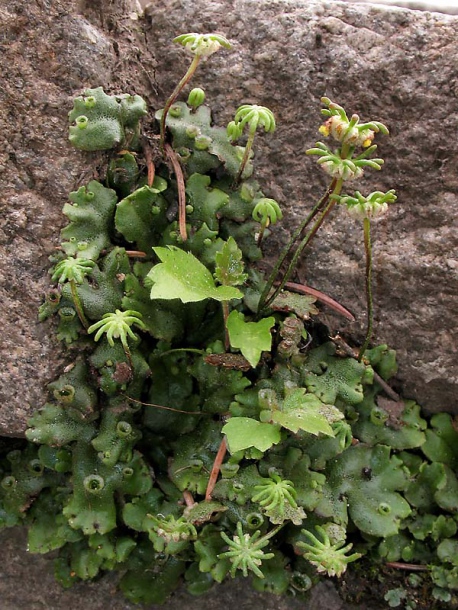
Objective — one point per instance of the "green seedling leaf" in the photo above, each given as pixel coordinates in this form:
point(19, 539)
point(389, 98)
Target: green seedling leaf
point(202, 512)
point(252, 338)
point(49, 529)
point(244, 432)
point(430, 479)
point(422, 526)
point(229, 265)
point(123, 173)
point(301, 411)
point(147, 586)
point(388, 422)
point(444, 527)
point(182, 276)
point(164, 320)
point(383, 360)
point(217, 386)
point(447, 497)
point(134, 512)
point(208, 546)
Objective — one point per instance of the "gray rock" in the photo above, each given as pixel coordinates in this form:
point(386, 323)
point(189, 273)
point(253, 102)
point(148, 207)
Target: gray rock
point(49, 54)
point(439, 6)
point(392, 65)
point(396, 66)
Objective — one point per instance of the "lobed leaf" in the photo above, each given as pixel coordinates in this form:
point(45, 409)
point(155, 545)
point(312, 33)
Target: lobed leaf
point(182, 276)
point(244, 432)
point(252, 338)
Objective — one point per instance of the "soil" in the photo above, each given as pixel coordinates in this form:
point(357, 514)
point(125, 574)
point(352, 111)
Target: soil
point(367, 584)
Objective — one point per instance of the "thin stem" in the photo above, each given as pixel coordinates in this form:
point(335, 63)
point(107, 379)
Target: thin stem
point(181, 191)
point(176, 92)
point(227, 343)
point(215, 469)
point(151, 404)
point(135, 254)
point(264, 226)
point(411, 567)
point(177, 350)
point(369, 301)
point(289, 246)
point(246, 155)
point(306, 241)
point(78, 304)
point(149, 163)
point(272, 533)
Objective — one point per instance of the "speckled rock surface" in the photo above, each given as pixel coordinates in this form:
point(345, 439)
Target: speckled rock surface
point(393, 65)
point(388, 64)
point(49, 53)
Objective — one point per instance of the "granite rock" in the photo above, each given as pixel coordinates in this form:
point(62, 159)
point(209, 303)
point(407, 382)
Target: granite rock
point(50, 52)
point(383, 63)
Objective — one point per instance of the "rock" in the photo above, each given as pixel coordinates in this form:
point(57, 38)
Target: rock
point(392, 65)
point(50, 53)
point(388, 64)
point(440, 6)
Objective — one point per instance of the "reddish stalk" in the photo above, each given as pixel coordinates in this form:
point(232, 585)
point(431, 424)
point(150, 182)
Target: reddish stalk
point(227, 343)
point(181, 190)
point(176, 92)
point(320, 296)
point(135, 254)
point(215, 470)
point(149, 164)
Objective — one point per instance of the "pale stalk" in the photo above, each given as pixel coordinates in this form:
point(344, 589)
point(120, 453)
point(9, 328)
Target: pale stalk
point(369, 301)
point(176, 92)
point(246, 155)
point(325, 211)
point(289, 246)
